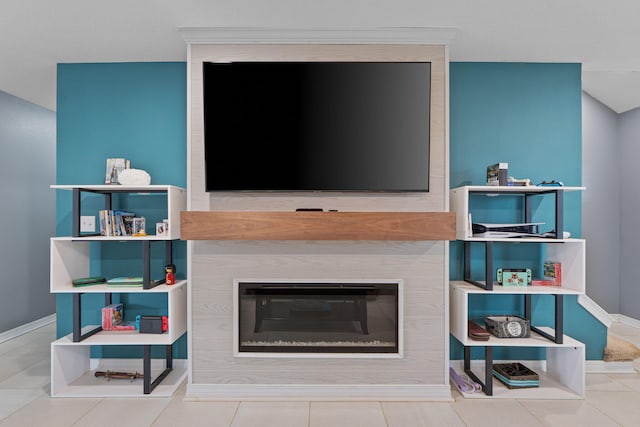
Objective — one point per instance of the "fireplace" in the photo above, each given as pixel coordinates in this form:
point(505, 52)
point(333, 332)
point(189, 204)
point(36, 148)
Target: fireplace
point(317, 318)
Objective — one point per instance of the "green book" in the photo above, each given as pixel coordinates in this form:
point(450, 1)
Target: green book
point(88, 281)
point(125, 281)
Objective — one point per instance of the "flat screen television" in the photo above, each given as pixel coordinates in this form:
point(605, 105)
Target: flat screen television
point(317, 126)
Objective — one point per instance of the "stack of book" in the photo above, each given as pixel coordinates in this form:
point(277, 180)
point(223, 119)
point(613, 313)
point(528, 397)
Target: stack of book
point(116, 223)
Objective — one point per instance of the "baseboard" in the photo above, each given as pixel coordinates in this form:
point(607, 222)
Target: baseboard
point(602, 367)
point(27, 327)
point(626, 320)
point(319, 392)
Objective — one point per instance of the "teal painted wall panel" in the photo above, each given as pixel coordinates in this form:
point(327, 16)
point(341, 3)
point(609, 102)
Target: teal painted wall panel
point(528, 115)
point(131, 110)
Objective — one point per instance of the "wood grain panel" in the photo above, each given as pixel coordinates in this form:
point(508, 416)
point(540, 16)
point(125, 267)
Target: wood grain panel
point(401, 226)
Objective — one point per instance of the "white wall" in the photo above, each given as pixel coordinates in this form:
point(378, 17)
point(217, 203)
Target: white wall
point(28, 137)
point(629, 138)
point(601, 202)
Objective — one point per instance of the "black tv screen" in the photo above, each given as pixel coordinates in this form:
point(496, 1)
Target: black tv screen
point(317, 126)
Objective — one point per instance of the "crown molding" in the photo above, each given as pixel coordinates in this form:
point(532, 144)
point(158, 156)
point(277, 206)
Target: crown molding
point(380, 35)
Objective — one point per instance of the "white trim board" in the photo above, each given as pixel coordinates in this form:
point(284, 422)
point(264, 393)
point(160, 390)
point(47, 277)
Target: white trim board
point(319, 392)
point(626, 320)
point(602, 367)
point(376, 35)
point(596, 311)
point(27, 327)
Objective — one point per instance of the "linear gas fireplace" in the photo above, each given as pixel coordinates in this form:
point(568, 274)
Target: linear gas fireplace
point(317, 318)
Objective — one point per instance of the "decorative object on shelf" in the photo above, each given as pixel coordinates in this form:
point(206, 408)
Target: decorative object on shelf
point(515, 182)
point(134, 177)
point(162, 228)
point(551, 184)
point(515, 375)
point(525, 229)
point(152, 324)
point(477, 332)
point(508, 326)
point(118, 375)
point(139, 226)
point(170, 274)
point(514, 276)
point(112, 315)
point(497, 174)
point(114, 168)
point(553, 271)
point(464, 383)
point(88, 281)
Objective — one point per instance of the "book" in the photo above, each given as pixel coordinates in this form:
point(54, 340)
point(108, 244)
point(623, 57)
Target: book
point(124, 281)
point(88, 281)
point(116, 223)
point(124, 222)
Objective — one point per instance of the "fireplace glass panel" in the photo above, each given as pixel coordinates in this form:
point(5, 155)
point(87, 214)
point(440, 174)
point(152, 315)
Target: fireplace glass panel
point(318, 317)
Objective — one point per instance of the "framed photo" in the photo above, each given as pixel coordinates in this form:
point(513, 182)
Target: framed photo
point(114, 167)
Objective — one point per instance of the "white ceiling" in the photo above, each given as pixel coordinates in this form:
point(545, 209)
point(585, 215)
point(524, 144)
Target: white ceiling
point(35, 35)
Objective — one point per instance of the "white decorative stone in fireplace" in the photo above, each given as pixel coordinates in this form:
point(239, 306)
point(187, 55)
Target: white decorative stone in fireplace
point(317, 318)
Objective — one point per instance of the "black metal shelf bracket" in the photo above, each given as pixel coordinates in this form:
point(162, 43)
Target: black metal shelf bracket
point(559, 318)
point(487, 384)
point(149, 385)
point(77, 317)
point(488, 266)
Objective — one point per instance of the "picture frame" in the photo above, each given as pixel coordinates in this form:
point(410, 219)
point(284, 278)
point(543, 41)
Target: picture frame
point(113, 169)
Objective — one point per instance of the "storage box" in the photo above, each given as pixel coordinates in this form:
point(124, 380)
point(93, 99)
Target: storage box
point(553, 271)
point(508, 326)
point(515, 375)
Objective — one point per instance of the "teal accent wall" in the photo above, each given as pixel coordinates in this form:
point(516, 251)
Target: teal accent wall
point(528, 115)
point(131, 110)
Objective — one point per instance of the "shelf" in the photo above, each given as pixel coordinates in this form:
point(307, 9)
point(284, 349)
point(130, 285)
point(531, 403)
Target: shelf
point(500, 289)
point(517, 189)
point(71, 259)
point(246, 225)
point(534, 341)
point(117, 188)
point(569, 252)
point(565, 356)
point(102, 288)
point(176, 202)
point(74, 375)
point(551, 388)
point(90, 238)
point(459, 199)
point(458, 321)
point(121, 338)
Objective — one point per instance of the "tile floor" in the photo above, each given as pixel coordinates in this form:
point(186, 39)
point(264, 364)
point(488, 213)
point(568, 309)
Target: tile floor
point(612, 400)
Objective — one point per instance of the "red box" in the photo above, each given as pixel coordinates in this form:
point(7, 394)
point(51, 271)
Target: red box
point(553, 271)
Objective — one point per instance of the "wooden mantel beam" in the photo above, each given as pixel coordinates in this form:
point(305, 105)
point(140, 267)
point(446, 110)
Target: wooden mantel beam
point(250, 225)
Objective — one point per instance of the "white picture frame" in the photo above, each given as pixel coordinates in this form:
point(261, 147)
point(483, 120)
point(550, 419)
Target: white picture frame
point(113, 169)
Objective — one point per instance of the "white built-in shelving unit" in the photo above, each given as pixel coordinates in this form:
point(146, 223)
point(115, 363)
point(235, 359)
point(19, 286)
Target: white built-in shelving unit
point(562, 373)
point(72, 366)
